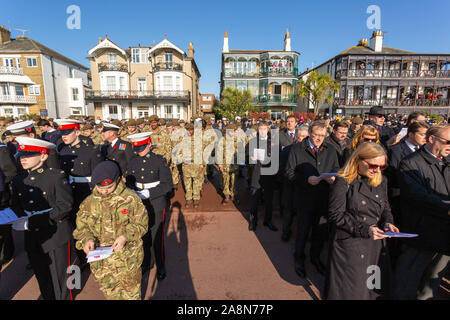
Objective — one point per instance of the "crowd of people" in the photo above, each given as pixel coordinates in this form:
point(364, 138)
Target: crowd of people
point(351, 184)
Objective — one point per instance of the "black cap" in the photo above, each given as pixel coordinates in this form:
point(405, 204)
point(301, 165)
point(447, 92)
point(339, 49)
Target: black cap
point(105, 173)
point(377, 111)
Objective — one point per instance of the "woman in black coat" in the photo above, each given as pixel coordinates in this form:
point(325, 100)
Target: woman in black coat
point(358, 213)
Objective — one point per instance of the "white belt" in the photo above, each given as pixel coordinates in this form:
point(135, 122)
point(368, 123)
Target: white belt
point(79, 179)
point(32, 213)
point(147, 185)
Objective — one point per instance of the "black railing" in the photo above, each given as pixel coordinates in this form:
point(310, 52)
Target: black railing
point(168, 66)
point(112, 67)
point(136, 94)
point(392, 102)
point(397, 73)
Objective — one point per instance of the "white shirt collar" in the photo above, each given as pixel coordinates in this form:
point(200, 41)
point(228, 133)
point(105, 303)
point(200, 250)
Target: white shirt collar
point(310, 143)
point(51, 130)
point(114, 141)
point(411, 146)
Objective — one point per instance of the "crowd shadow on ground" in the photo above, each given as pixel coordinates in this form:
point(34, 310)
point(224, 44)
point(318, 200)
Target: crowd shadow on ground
point(281, 254)
point(178, 285)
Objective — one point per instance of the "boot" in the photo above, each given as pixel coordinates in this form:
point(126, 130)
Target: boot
point(188, 203)
point(226, 200)
point(196, 203)
point(236, 200)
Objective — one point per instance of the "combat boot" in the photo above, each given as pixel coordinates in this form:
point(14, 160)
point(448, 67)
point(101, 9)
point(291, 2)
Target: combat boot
point(188, 203)
point(236, 200)
point(226, 200)
point(196, 203)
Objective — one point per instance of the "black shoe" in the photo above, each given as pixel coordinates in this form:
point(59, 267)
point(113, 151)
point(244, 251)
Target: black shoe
point(300, 269)
point(320, 267)
point(286, 236)
point(175, 188)
point(270, 226)
point(161, 273)
point(252, 224)
point(206, 180)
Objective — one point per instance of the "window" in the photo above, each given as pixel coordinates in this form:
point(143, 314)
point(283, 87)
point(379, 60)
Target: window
point(19, 90)
point(168, 111)
point(4, 89)
point(167, 82)
point(76, 111)
point(8, 62)
point(9, 112)
point(177, 114)
point(21, 111)
point(75, 94)
point(18, 62)
point(136, 55)
point(112, 110)
point(178, 83)
point(113, 59)
point(122, 83)
point(207, 98)
point(142, 84)
point(168, 59)
point(71, 75)
point(32, 62)
point(34, 90)
point(110, 83)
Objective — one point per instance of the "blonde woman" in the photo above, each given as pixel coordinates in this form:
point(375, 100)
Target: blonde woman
point(366, 133)
point(358, 213)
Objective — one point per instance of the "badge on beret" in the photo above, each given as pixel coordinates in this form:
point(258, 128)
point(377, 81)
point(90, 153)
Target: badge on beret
point(106, 182)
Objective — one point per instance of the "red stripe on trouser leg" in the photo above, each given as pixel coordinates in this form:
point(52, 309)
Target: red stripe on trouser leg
point(162, 242)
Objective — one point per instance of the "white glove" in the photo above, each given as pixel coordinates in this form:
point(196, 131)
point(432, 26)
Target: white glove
point(144, 194)
point(20, 225)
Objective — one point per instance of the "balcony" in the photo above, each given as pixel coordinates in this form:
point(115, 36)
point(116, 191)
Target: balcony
point(276, 98)
point(168, 67)
point(101, 95)
point(262, 73)
point(17, 99)
point(420, 101)
point(397, 73)
point(112, 67)
point(11, 71)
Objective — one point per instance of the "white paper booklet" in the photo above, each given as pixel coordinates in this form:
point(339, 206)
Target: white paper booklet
point(99, 253)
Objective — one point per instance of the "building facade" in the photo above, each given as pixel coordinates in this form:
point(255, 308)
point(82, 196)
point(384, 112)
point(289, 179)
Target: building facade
point(373, 74)
point(207, 103)
point(143, 81)
point(37, 80)
point(270, 75)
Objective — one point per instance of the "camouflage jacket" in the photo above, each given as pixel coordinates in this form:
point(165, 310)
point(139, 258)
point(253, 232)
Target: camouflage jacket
point(192, 156)
point(105, 218)
point(161, 143)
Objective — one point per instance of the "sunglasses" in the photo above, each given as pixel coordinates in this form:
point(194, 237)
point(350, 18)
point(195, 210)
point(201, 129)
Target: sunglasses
point(445, 141)
point(368, 140)
point(380, 116)
point(375, 166)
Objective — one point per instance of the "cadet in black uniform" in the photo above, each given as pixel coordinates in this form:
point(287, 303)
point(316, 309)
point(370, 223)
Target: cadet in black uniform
point(115, 149)
point(77, 159)
point(44, 195)
point(26, 129)
point(148, 174)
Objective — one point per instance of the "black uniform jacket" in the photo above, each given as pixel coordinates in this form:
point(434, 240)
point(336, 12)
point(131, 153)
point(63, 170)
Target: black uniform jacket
point(396, 154)
point(424, 183)
point(302, 164)
point(7, 163)
point(38, 190)
point(79, 160)
point(149, 168)
point(121, 153)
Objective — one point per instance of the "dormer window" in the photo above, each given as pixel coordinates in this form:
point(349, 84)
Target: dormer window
point(113, 59)
point(136, 55)
point(168, 59)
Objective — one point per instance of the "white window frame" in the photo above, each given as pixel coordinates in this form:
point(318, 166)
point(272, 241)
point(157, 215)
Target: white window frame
point(20, 86)
point(76, 111)
point(18, 63)
point(136, 55)
point(8, 62)
point(75, 95)
point(33, 59)
point(34, 90)
point(113, 61)
point(141, 85)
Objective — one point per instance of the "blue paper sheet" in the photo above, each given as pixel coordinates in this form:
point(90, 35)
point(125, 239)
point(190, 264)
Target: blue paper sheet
point(401, 235)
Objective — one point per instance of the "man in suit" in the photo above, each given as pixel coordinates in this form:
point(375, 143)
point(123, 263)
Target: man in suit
point(377, 117)
point(261, 180)
point(115, 149)
point(287, 136)
point(425, 205)
point(338, 139)
point(307, 163)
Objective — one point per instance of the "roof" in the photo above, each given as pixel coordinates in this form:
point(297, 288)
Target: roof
point(258, 51)
point(106, 43)
point(367, 50)
point(25, 44)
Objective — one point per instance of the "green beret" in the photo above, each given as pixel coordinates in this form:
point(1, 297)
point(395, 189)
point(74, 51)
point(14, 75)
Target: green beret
point(131, 123)
point(154, 118)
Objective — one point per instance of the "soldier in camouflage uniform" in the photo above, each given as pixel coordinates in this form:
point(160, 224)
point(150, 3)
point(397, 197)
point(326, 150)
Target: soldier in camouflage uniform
point(227, 158)
point(140, 123)
point(91, 132)
point(161, 143)
point(131, 128)
point(2, 125)
point(113, 216)
point(171, 127)
point(192, 172)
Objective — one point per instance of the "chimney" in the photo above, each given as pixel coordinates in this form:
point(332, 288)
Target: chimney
point(225, 43)
point(287, 42)
point(100, 40)
point(191, 50)
point(363, 42)
point(5, 35)
point(376, 41)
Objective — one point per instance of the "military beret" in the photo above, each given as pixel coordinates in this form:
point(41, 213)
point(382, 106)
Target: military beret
point(154, 118)
point(189, 126)
point(139, 121)
point(105, 173)
point(357, 120)
point(2, 118)
point(231, 126)
point(88, 126)
point(162, 122)
point(181, 121)
point(116, 123)
point(131, 123)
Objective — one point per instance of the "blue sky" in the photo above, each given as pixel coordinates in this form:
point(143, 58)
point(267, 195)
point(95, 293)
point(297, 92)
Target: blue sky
point(319, 29)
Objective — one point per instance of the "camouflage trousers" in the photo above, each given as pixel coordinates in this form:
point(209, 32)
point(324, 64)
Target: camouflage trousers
point(119, 276)
point(175, 173)
point(193, 186)
point(228, 180)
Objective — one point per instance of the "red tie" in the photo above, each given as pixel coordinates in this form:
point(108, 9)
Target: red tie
point(315, 151)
